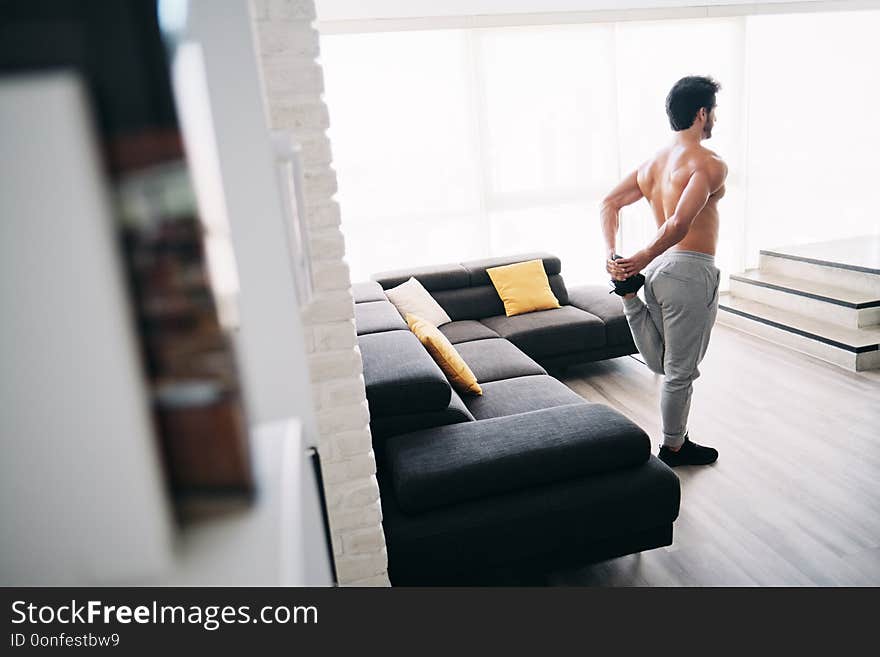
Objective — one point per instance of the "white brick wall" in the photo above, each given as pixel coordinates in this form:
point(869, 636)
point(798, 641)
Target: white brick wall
point(288, 45)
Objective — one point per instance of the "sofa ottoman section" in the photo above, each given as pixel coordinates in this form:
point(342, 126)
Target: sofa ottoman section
point(460, 462)
point(564, 524)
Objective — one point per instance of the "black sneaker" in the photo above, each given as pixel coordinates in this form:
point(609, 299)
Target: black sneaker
point(689, 454)
point(627, 286)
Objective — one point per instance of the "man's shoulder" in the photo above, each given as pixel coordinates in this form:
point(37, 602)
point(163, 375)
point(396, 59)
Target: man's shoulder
point(711, 163)
point(710, 157)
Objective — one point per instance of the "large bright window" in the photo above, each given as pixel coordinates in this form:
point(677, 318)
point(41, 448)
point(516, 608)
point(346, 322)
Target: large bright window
point(813, 133)
point(458, 144)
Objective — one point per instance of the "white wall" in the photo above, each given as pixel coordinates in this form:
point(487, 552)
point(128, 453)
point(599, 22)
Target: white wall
point(82, 496)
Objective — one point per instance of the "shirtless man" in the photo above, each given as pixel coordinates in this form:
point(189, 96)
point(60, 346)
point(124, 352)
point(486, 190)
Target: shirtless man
point(682, 183)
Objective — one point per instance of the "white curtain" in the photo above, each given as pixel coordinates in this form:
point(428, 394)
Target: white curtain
point(813, 159)
point(457, 144)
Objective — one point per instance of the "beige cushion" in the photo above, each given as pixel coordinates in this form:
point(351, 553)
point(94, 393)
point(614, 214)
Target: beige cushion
point(412, 298)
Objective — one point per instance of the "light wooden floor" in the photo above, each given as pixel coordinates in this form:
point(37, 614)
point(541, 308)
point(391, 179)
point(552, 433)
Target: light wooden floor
point(794, 498)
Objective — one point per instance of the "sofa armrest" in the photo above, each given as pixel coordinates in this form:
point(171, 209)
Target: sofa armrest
point(366, 291)
point(459, 462)
point(400, 376)
point(595, 300)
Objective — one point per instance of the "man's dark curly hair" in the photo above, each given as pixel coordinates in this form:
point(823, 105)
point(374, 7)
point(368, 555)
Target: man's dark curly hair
point(686, 98)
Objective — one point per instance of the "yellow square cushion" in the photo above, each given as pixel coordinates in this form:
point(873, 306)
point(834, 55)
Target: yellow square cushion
point(523, 287)
point(445, 355)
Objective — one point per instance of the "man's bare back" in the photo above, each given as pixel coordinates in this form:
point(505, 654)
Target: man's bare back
point(682, 183)
point(662, 180)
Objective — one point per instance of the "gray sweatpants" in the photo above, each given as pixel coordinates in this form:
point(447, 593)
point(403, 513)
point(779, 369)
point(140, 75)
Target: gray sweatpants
point(671, 329)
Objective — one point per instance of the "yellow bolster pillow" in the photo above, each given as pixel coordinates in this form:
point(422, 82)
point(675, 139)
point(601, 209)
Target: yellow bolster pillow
point(445, 355)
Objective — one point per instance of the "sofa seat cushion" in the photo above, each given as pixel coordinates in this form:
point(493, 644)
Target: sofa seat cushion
point(367, 291)
point(460, 462)
point(493, 360)
point(520, 395)
point(376, 316)
point(400, 376)
point(608, 307)
point(467, 330)
point(550, 332)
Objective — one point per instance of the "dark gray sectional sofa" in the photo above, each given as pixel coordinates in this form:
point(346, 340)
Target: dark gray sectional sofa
point(527, 474)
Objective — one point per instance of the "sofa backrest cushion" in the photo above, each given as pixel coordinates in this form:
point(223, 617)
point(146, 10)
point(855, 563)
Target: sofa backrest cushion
point(476, 269)
point(376, 316)
point(470, 302)
point(465, 290)
point(434, 278)
point(483, 301)
point(559, 289)
point(400, 376)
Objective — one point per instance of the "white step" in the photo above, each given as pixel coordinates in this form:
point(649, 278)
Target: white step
point(852, 264)
point(853, 349)
point(821, 301)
